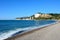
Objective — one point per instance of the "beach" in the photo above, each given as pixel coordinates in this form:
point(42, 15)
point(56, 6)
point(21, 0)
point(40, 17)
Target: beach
point(51, 32)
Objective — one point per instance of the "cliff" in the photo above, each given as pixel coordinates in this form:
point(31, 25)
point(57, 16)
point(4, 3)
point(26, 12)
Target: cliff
point(39, 16)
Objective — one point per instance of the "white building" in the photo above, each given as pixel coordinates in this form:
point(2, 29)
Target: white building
point(37, 15)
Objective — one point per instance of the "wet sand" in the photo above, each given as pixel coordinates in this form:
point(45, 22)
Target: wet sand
point(51, 32)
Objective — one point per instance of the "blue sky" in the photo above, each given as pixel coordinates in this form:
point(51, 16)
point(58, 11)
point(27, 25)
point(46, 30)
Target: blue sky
point(10, 9)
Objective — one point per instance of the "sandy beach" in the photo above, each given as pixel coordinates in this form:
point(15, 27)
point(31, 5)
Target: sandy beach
point(51, 32)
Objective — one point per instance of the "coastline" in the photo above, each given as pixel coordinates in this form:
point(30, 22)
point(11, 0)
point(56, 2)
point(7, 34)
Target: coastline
point(28, 32)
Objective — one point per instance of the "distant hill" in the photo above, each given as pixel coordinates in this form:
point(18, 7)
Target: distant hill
point(41, 16)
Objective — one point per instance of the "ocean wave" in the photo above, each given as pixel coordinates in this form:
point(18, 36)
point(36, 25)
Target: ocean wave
point(8, 34)
point(13, 32)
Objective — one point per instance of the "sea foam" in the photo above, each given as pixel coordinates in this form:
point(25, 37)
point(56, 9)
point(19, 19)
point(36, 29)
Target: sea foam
point(11, 32)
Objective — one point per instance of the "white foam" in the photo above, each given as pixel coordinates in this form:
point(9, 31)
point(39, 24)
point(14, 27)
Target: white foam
point(11, 32)
point(8, 34)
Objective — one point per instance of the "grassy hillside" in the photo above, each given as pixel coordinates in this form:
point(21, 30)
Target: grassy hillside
point(53, 16)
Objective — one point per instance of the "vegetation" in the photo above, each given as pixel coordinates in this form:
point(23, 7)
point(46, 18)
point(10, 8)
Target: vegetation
point(55, 16)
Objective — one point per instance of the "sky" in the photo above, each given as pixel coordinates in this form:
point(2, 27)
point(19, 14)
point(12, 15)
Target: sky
point(10, 9)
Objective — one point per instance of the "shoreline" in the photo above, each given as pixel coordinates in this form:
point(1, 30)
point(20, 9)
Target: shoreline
point(28, 32)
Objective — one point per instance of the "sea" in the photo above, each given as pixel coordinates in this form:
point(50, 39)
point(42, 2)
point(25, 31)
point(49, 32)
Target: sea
point(9, 28)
